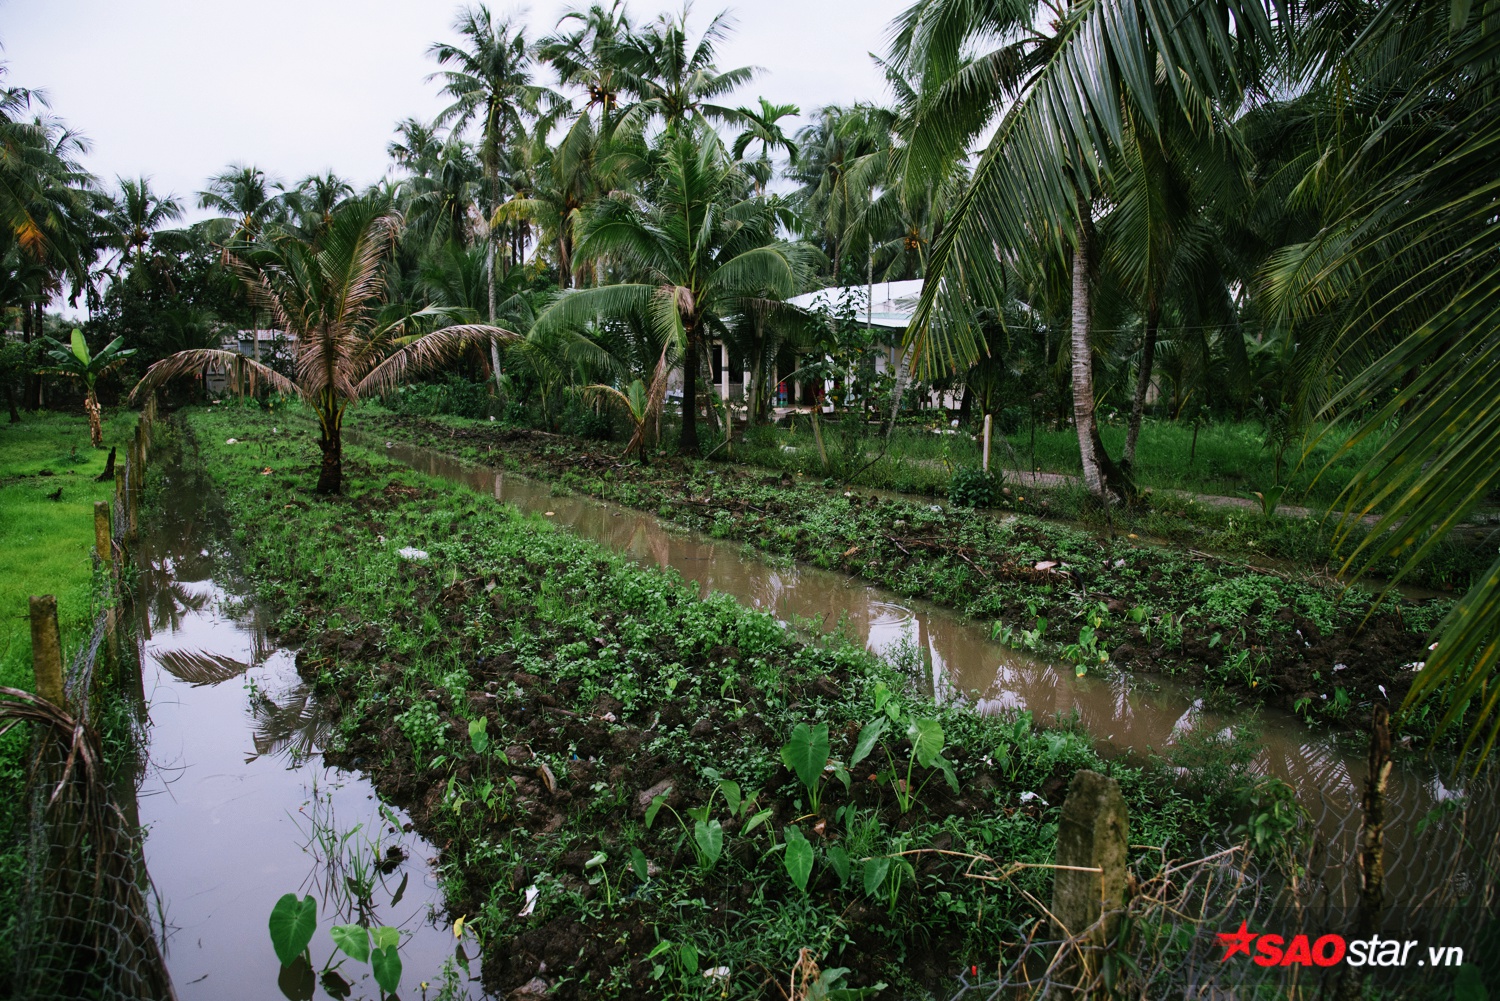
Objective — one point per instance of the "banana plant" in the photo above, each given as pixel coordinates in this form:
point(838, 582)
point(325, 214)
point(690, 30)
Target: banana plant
point(76, 362)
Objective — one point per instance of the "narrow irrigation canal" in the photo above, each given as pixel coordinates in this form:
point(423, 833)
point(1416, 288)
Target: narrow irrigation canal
point(237, 805)
point(1125, 712)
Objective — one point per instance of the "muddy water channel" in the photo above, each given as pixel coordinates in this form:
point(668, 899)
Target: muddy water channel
point(1126, 713)
point(237, 805)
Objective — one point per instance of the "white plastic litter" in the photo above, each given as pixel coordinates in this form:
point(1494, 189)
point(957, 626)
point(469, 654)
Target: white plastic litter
point(409, 553)
point(531, 894)
point(232, 441)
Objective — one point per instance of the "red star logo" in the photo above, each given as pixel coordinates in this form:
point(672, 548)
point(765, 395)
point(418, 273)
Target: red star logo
point(1236, 941)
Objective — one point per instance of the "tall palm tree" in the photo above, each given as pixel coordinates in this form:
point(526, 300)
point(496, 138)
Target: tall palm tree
point(134, 219)
point(700, 251)
point(489, 84)
point(327, 296)
point(592, 56)
point(672, 79)
point(762, 125)
point(1055, 85)
point(242, 194)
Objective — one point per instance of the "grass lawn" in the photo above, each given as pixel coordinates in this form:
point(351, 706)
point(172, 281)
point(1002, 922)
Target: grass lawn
point(46, 551)
point(48, 542)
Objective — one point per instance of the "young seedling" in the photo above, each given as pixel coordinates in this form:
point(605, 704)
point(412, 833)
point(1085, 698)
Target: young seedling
point(706, 836)
point(806, 754)
point(925, 737)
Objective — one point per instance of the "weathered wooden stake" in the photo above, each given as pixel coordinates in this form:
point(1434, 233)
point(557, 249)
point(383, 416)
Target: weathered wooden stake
point(1093, 838)
point(989, 423)
point(132, 487)
point(101, 534)
point(1372, 835)
point(46, 649)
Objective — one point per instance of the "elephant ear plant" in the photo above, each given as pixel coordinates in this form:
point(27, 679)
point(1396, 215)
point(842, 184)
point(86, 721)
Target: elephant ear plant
point(924, 738)
point(293, 923)
point(75, 361)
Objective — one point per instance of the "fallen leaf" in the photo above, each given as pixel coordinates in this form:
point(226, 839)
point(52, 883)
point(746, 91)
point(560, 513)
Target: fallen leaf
point(1046, 565)
point(851, 551)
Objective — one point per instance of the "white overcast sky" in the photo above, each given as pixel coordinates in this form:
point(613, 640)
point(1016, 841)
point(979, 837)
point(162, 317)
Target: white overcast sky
point(177, 89)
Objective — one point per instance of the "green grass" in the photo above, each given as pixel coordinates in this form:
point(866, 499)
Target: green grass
point(47, 542)
point(1229, 459)
point(46, 551)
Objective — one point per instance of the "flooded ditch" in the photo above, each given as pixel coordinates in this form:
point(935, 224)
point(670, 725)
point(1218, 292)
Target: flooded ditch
point(237, 805)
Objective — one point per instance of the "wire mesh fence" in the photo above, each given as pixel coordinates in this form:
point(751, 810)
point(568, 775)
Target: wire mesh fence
point(87, 925)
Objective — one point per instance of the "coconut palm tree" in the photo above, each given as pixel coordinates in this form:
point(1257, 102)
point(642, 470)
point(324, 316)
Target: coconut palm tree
point(489, 84)
point(326, 296)
point(677, 81)
point(1055, 82)
point(75, 361)
point(1397, 291)
point(592, 56)
point(700, 250)
point(134, 219)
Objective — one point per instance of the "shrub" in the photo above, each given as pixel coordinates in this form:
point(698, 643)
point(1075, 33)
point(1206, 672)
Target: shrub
point(972, 487)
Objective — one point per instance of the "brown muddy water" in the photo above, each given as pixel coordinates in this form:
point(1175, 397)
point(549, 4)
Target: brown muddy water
point(1125, 712)
point(236, 803)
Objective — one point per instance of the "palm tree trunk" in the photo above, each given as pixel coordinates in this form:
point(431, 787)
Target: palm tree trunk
point(1083, 364)
point(330, 421)
point(1142, 383)
point(687, 444)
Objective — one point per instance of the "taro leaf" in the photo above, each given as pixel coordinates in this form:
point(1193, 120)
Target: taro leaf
point(873, 731)
point(655, 807)
point(799, 858)
point(756, 821)
point(948, 773)
point(710, 838)
point(731, 791)
point(638, 864)
point(386, 964)
point(479, 735)
point(354, 940)
point(292, 925)
point(875, 872)
point(687, 953)
point(386, 937)
point(807, 752)
point(297, 980)
point(926, 736)
point(839, 859)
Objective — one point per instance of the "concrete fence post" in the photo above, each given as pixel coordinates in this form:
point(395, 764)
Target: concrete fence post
point(1093, 840)
point(989, 423)
point(46, 649)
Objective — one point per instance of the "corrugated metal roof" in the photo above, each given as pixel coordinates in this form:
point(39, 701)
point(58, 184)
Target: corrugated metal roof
point(893, 305)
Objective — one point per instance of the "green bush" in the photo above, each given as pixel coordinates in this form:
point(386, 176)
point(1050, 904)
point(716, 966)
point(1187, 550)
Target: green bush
point(972, 487)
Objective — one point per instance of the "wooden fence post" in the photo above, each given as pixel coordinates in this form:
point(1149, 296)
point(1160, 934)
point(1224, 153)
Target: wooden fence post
point(102, 544)
point(132, 485)
point(1093, 839)
point(46, 649)
point(989, 423)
